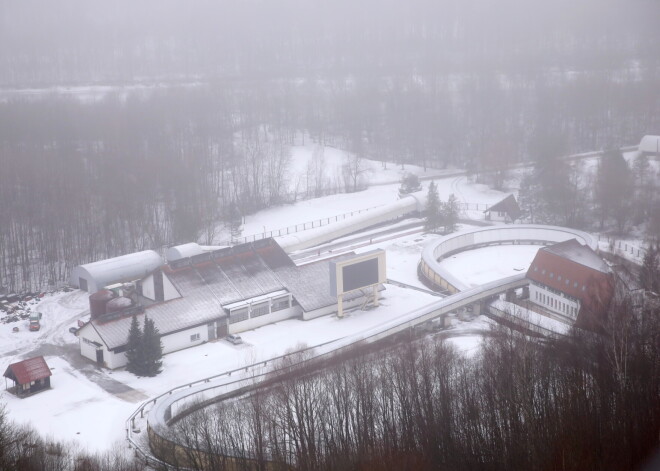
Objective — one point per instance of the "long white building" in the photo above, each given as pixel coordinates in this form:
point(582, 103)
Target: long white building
point(207, 296)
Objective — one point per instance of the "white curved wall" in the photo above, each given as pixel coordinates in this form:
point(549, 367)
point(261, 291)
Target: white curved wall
point(183, 251)
point(303, 240)
point(465, 240)
point(113, 270)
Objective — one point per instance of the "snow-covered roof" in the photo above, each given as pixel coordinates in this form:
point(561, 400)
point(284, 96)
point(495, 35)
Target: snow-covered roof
point(112, 270)
point(26, 371)
point(578, 271)
point(223, 278)
point(183, 251)
point(508, 205)
point(578, 253)
point(650, 144)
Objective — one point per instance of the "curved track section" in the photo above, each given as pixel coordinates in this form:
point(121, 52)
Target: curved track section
point(176, 403)
point(526, 234)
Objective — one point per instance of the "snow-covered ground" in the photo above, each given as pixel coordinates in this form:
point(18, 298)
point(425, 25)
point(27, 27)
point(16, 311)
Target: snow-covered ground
point(479, 266)
point(383, 185)
point(89, 405)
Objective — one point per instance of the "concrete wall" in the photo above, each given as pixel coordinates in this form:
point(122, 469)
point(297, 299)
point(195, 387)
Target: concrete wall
point(435, 251)
point(149, 291)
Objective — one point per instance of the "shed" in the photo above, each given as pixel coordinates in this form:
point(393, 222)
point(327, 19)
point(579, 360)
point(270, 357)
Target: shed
point(506, 210)
point(650, 145)
point(29, 376)
point(93, 277)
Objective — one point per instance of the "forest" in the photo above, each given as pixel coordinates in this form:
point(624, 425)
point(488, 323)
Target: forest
point(201, 106)
point(583, 402)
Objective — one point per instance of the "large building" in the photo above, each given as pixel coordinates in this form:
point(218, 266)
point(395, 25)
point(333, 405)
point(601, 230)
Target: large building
point(571, 280)
point(207, 296)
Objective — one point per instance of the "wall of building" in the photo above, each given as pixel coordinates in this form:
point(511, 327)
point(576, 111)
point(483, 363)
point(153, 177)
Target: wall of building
point(253, 323)
point(184, 339)
point(149, 291)
point(553, 301)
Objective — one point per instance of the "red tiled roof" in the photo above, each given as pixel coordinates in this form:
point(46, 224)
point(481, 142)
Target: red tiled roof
point(26, 371)
point(562, 270)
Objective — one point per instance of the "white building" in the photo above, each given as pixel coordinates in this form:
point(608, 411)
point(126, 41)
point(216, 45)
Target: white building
point(92, 277)
point(201, 298)
point(650, 145)
point(571, 280)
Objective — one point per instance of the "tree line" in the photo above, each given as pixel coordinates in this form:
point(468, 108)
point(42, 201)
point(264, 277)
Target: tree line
point(587, 402)
point(87, 178)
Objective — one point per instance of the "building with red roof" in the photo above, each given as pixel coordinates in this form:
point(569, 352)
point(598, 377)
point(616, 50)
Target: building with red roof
point(29, 376)
point(571, 280)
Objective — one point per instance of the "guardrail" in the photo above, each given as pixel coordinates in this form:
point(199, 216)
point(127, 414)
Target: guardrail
point(200, 392)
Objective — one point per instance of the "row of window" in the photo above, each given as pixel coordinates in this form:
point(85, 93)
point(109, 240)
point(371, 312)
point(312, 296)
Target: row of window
point(555, 304)
point(567, 282)
point(261, 309)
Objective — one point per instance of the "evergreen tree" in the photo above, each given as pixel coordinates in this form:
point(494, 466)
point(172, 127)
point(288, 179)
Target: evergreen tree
point(235, 221)
point(134, 348)
point(152, 349)
point(432, 208)
point(649, 274)
point(613, 189)
point(409, 184)
point(450, 213)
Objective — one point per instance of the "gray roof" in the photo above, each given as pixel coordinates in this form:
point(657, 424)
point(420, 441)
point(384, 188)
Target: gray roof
point(576, 252)
point(224, 277)
point(508, 205)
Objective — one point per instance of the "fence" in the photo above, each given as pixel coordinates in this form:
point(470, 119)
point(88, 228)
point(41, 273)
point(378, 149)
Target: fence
point(324, 222)
point(295, 228)
point(624, 249)
point(248, 375)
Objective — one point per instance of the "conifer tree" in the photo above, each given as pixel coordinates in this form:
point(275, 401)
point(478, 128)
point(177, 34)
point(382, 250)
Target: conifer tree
point(152, 349)
point(649, 273)
point(432, 208)
point(450, 213)
point(134, 348)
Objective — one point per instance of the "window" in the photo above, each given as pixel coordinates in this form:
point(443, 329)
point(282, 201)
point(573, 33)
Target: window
point(552, 275)
point(575, 285)
point(238, 315)
point(194, 337)
point(536, 269)
point(568, 282)
point(259, 310)
point(279, 304)
point(558, 277)
point(583, 287)
point(543, 272)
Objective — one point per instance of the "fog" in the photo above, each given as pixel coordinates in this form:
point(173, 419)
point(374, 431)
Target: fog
point(128, 125)
point(71, 42)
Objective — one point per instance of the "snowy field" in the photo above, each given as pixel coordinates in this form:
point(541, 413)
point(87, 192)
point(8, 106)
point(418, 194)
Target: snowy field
point(89, 406)
point(479, 266)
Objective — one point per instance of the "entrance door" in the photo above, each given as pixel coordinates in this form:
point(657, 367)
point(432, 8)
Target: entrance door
point(222, 328)
point(82, 282)
point(99, 357)
point(211, 328)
